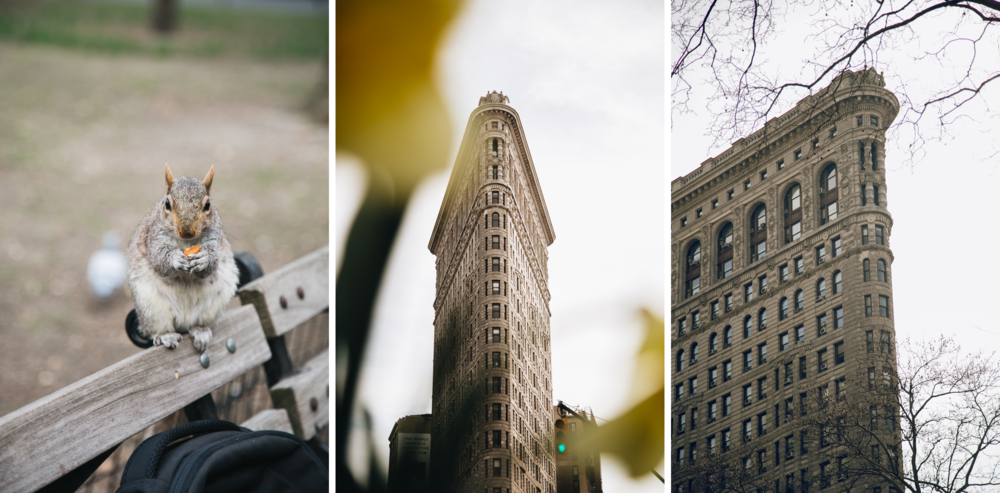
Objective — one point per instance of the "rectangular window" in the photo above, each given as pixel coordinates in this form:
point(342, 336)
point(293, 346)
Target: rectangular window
point(762, 388)
point(715, 310)
point(871, 378)
point(726, 404)
point(864, 197)
point(821, 254)
point(874, 121)
point(496, 360)
point(747, 430)
point(747, 395)
point(783, 274)
point(803, 403)
point(761, 424)
point(821, 359)
point(693, 386)
point(833, 132)
point(800, 266)
point(711, 445)
point(798, 154)
point(713, 377)
point(883, 305)
point(838, 317)
point(726, 443)
point(697, 213)
point(730, 194)
point(496, 195)
point(496, 242)
point(694, 417)
point(800, 334)
point(496, 310)
point(886, 343)
point(864, 234)
point(841, 388)
point(815, 143)
point(729, 302)
point(747, 361)
point(496, 287)
point(695, 321)
point(715, 203)
point(788, 374)
point(838, 353)
point(886, 379)
point(870, 340)
point(821, 325)
point(762, 354)
point(682, 326)
point(783, 341)
point(836, 246)
point(746, 185)
point(496, 264)
point(763, 175)
point(875, 194)
point(868, 305)
point(711, 412)
point(496, 411)
point(781, 164)
point(496, 385)
point(727, 370)
point(802, 368)
point(879, 239)
point(748, 293)
point(861, 121)
point(496, 334)
point(684, 221)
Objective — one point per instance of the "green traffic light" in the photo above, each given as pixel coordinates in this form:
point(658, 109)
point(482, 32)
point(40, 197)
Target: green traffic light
point(562, 447)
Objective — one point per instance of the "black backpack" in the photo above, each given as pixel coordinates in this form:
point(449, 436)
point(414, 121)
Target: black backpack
point(222, 457)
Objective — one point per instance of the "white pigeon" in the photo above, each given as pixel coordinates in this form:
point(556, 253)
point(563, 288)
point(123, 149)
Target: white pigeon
point(106, 271)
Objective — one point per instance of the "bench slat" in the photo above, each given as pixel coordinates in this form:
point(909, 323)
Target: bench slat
point(295, 392)
point(57, 433)
point(311, 273)
point(269, 419)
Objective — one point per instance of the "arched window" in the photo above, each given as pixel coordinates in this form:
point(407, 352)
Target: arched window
point(874, 158)
point(783, 309)
point(867, 268)
point(694, 353)
point(820, 289)
point(837, 282)
point(747, 327)
point(793, 213)
point(496, 147)
point(680, 360)
point(496, 220)
point(713, 343)
point(828, 194)
point(727, 336)
point(799, 300)
point(881, 270)
point(724, 252)
point(692, 281)
point(758, 233)
point(762, 319)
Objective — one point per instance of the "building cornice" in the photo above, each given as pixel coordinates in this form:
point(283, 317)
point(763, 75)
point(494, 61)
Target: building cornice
point(848, 92)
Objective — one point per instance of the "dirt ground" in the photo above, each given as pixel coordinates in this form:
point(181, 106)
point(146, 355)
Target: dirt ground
point(83, 141)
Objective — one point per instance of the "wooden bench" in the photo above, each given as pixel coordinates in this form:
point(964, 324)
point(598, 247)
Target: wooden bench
point(50, 441)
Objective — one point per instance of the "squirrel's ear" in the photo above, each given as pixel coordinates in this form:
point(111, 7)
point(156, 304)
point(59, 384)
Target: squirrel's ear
point(208, 178)
point(170, 178)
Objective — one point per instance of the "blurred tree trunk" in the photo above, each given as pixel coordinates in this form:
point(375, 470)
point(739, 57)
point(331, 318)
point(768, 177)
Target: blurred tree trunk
point(164, 16)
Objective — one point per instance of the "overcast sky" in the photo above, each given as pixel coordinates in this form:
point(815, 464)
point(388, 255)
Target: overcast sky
point(942, 205)
point(587, 79)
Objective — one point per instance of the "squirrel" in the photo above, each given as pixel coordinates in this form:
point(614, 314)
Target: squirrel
point(176, 293)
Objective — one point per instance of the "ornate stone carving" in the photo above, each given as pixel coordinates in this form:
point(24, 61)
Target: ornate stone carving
point(494, 98)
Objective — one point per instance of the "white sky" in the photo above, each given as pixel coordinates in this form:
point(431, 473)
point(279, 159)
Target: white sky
point(940, 205)
point(587, 79)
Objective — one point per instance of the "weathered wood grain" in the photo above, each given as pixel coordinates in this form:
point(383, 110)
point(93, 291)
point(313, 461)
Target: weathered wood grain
point(295, 393)
point(53, 435)
point(269, 419)
point(310, 273)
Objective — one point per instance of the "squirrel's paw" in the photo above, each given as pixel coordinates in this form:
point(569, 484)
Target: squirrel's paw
point(169, 340)
point(198, 262)
point(201, 337)
point(179, 261)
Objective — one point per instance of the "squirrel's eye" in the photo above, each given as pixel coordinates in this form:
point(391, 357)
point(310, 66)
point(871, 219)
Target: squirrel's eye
point(208, 205)
point(167, 205)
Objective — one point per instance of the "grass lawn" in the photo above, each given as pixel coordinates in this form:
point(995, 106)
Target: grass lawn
point(203, 32)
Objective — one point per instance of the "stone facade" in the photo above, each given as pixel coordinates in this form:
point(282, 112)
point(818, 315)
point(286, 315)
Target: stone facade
point(577, 470)
point(492, 390)
point(781, 306)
